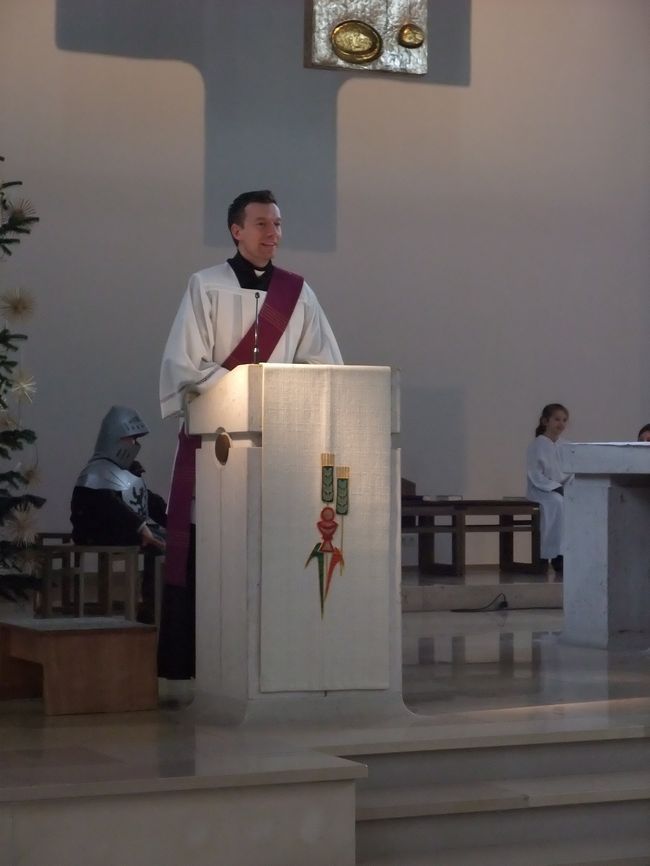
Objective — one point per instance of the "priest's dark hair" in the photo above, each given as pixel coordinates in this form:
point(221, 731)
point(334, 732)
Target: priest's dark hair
point(547, 412)
point(237, 208)
point(644, 429)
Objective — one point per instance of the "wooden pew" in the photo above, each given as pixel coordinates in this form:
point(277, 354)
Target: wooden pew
point(422, 516)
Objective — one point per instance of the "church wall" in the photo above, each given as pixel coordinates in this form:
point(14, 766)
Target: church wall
point(486, 234)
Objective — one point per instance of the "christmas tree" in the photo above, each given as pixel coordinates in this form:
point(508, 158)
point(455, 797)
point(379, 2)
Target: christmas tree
point(18, 552)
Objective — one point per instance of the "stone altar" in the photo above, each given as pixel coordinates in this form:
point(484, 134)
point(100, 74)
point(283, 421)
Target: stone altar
point(607, 550)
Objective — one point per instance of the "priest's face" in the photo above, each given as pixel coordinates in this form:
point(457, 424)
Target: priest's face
point(259, 236)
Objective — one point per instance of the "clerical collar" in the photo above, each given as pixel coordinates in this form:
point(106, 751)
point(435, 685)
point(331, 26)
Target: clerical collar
point(249, 275)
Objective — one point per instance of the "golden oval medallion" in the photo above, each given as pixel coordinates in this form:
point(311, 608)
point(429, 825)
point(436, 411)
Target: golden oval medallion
point(410, 36)
point(356, 42)
point(222, 446)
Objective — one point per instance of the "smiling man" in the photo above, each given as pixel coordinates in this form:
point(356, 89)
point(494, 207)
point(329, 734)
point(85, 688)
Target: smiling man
point(218, 310)
point(214, 332)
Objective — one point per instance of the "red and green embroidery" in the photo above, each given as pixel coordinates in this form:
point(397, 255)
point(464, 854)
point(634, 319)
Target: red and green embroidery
point(325, 552)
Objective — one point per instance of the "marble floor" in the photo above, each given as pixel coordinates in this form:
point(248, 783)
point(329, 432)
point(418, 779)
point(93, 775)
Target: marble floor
point(476, 575)
point(506, 659)
point(475, 675)
point(502, 659)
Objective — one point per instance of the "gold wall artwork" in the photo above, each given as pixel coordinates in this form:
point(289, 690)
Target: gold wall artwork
point(374, 35)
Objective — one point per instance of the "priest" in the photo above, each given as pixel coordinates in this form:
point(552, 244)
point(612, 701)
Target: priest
point(243, 311)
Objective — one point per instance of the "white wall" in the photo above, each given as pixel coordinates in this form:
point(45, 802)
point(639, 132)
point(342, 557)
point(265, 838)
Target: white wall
point(489, 238)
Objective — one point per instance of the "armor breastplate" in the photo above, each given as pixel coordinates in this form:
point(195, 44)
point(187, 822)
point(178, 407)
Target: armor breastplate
point(103, 474)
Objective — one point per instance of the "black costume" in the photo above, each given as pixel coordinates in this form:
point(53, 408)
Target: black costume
point(110, 501)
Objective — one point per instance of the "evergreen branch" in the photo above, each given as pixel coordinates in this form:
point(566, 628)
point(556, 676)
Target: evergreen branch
point(17, 552)
point(4, 245)
point(14, 440)
point(21, 228)
point(16, 437)
point(7, 338)
point(15, 221)
point(12, 479)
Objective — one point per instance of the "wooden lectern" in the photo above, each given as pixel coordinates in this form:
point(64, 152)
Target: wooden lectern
point(298, 543)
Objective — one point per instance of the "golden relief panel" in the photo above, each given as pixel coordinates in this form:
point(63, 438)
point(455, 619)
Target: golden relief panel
point(374, 35)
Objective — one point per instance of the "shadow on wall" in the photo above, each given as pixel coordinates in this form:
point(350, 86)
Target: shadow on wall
point(269, 121)
point(434, 446)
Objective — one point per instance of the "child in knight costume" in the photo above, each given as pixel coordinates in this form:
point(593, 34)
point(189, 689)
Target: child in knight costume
point(110, 501)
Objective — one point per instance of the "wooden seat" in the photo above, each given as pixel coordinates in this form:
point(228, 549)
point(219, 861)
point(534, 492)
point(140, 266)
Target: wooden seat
point(422, 517)
point(79, 665)
point(76, 652)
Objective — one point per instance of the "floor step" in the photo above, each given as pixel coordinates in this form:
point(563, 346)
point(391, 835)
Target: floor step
point(615, 852)
point(375, 804)
point(578, 817)
point(443, 597)
point(514, 752)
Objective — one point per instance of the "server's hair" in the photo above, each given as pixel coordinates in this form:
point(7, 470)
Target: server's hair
point(549, 410)
point(644, 429)
point(237, 208)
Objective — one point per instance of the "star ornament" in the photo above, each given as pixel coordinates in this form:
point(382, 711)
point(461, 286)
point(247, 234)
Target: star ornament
point(24, 386)
point(16, 304)
point(21, 525)
point(21, 211)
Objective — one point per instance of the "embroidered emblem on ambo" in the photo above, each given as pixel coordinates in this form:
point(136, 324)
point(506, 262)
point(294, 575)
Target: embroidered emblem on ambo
point(335, 489)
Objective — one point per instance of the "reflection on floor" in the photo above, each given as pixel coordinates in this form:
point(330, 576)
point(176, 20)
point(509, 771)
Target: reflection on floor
point(470, 661)
point(476, 575)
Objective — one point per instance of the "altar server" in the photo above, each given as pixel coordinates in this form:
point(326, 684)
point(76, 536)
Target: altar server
point(217, 328)
point(644, 434)
point(546, 480)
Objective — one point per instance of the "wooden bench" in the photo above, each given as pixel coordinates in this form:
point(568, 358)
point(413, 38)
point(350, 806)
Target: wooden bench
point(85, 665)
point(422, 517)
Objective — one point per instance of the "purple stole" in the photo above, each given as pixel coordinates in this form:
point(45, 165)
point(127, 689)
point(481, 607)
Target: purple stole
point(281, 299)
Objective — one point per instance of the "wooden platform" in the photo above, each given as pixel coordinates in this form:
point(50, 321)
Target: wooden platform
point(81, 665)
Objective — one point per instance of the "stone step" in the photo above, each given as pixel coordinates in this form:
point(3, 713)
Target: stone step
point(514, 752)
point(614, 852)
point(415, 801)
point(440, 833)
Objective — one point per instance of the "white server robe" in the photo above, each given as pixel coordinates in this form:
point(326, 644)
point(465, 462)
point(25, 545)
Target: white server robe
point(545, 476)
